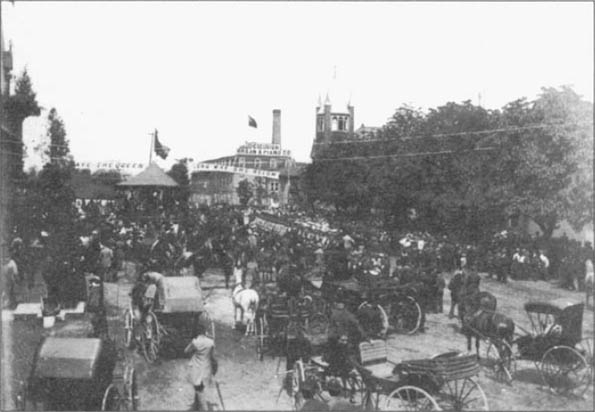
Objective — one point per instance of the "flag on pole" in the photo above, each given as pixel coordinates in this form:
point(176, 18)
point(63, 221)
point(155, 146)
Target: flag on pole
point(252, 122)
point(161, 150)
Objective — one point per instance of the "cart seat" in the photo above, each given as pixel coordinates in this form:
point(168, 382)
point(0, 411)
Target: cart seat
point(382, 370)
point(73, 358)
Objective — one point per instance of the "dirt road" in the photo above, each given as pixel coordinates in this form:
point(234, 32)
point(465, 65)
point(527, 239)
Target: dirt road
point(248, 384)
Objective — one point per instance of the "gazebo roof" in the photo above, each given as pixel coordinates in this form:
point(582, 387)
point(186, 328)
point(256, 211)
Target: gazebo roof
point(153, 175)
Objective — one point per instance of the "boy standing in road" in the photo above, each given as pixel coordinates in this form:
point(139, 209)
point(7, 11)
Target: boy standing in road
point(203, 366)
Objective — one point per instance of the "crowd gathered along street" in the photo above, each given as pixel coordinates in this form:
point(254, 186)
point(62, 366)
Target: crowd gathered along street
point(323, 291)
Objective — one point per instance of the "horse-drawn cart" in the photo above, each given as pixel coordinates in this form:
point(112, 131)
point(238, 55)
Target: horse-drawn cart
point(171, 324)
point(446, 381)
point(394, 303)
point(79, 374)
point(555, 345)
point(276, 315)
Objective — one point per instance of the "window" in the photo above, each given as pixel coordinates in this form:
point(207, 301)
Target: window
point(273, 163)
point(241, 162)
point(320, 123)
point(341, 123)
point(257, 163)
point(274, 186)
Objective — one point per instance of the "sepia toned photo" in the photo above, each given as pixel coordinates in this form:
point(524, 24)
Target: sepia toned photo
point(296, 206)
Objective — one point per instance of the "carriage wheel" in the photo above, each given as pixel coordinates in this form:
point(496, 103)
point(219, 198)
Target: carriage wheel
point(500, 362)
point(318, 325)
point(586, 348)
point(150, 338)
point(411, 398)
point(297, 379)
point(111, 399)
point(565, 371)
point(355, 390)
point(129, 329)
point(463, 395)
point(261, 330)
point(131, 398)
point(405, 315)
point(209, 323)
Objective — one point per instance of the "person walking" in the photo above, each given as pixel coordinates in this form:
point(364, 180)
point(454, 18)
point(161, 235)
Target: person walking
point(203, 366)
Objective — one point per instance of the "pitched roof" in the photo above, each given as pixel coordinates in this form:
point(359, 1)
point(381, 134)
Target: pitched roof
point(153, 175)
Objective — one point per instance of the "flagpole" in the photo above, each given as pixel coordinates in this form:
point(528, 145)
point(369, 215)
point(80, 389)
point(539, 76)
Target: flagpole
point(151, 147)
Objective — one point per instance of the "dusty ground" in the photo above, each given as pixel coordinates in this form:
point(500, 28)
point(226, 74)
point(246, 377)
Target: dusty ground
point(248, 384)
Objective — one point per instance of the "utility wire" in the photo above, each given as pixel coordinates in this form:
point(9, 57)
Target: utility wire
point(485, 131)
point(328, 159)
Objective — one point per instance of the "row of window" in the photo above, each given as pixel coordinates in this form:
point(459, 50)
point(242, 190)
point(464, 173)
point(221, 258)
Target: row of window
point(257, 163)
point(338, 123)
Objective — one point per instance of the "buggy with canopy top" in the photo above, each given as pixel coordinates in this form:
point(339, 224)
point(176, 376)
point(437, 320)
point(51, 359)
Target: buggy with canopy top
point(79, 374)
point(171, 324)
point(554, 344)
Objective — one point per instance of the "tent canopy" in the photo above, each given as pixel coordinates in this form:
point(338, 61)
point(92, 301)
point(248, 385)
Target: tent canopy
point(153, 175)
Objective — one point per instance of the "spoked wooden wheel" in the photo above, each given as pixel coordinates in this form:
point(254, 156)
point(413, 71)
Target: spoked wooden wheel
point(463, 395)
point(565, 371)
point(150, 339)
point(499, 361)
point(354, 389)
point(261, 337)
point(297, 380)
point(131, 398)
point(129, 329)
point(586, 348)
point(111, 399)
point(411, 398)
point(405, 315)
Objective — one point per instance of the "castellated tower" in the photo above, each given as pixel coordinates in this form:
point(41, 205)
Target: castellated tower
point(334, 121)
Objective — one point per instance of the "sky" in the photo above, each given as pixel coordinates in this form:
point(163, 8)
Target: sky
point(115, 71)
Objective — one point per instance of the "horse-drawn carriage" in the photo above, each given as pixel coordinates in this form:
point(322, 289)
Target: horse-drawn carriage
point(78, 374)
point(381, 381)
point(277, 315)
point(172, 323)
point(555, 345)
point(396, 306)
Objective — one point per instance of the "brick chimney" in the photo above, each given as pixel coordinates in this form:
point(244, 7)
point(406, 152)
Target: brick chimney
point(277, 127)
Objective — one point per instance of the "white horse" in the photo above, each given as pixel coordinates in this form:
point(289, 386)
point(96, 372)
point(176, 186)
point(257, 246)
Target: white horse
point(246, 301)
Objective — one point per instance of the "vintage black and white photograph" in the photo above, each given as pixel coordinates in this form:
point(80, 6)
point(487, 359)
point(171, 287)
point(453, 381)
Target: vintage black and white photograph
point(296, 206)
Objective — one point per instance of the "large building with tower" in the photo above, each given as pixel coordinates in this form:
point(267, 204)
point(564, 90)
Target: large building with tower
point(268, 168)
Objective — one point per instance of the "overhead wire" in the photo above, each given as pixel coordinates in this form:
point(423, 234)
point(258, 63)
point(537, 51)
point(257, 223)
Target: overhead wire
point(466, 133)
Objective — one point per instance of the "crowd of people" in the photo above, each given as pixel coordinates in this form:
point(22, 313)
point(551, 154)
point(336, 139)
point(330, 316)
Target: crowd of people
point(290, 249)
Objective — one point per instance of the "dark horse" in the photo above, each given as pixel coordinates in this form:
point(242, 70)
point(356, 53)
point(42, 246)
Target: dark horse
point(487, 323)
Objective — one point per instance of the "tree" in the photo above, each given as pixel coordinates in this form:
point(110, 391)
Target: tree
point(58, 149)
point(16, 108)
point(550, 168)
point(245, 192)
point(179, 172)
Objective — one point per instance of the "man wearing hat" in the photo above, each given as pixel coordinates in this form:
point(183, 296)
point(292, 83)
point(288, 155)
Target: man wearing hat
point(203, 366)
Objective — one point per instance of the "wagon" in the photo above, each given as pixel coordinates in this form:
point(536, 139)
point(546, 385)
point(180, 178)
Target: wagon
point(446, 381)
point(394, 301)
point(380, 381)
point(173, 324)
point(275, 316)
point(554, 344)
point(79, 374)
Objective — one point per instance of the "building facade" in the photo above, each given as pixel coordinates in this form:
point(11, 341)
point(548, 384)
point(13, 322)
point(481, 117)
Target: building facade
point(266, 166)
